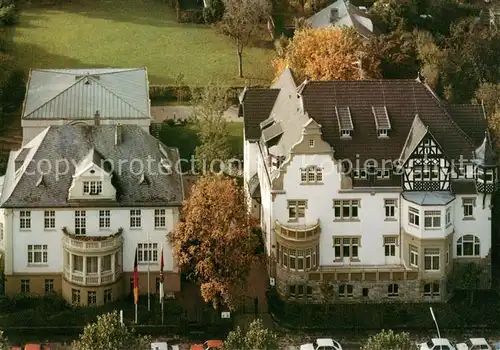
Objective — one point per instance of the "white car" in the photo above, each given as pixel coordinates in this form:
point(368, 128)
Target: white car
point(322, 344)
point(437, 344)
point(474, 344)
point(163, 346)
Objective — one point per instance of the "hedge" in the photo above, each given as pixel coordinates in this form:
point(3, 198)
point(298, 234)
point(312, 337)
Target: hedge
point(185, 93)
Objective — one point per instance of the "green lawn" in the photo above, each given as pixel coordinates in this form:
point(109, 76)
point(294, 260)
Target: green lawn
point(133, 33)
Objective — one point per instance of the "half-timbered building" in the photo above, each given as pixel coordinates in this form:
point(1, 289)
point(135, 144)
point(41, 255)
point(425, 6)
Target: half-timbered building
point(377, 187)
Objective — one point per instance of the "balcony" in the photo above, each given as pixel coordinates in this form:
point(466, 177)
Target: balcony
point(298, 232)
point(92, 244)
point(92, 279)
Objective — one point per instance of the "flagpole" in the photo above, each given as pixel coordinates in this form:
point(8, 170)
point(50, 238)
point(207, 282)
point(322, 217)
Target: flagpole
point(149, 268)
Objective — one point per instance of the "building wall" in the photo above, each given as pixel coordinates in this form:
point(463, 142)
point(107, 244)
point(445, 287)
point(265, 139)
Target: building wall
point(250, 153)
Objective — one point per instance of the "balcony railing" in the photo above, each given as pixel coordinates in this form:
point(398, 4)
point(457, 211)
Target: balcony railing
point(298, 232)
point(92, 279)
point(89, 244)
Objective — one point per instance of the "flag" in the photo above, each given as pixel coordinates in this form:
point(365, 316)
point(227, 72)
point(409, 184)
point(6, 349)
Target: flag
point(161, 275)
point(136, 280)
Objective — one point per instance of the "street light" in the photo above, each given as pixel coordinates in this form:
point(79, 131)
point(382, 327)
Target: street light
point(435, 321)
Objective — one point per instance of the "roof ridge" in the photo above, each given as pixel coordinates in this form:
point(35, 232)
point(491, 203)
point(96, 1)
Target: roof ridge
point(71, 71)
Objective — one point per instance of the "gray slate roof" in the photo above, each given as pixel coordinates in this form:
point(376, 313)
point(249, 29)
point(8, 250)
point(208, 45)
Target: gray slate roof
point(429, 198)
point(79, 93)
point(36, 186)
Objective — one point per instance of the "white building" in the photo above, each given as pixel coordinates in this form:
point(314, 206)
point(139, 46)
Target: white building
point(78, 201)
point(391, 225)
point(105, 96)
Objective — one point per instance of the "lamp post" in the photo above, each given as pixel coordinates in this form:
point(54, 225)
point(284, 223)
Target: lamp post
point(435, 321)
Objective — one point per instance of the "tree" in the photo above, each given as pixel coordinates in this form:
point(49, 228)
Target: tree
point(257, 337)
point(214, 245)
point(328, 54)
point(489, 95)
point(108, 333)
point(465, 276)
point(241, 20)
point(4, 342)
point(213, 12)
point(388, 340)
point(214, 150)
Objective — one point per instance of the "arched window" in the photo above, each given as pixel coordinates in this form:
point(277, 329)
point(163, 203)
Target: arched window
point(468, 245)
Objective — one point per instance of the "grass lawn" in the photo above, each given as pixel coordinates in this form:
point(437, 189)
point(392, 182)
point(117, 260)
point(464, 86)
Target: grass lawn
point(133, 33)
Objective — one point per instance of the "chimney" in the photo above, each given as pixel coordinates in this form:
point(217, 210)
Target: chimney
point(96, 118)
point(334, 14)
point(118, 134)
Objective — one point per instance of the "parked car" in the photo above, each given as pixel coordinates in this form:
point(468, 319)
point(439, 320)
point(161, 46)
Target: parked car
point(437, 344)
point(474, 344)
point(322, 344)
point(163, 346)
point(208, 345)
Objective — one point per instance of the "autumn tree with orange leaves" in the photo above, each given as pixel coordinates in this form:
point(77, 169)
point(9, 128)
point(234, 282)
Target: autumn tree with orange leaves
point(215, 245)
point(328, 54)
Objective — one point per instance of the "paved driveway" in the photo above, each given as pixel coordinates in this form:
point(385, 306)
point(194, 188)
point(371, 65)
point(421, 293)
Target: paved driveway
point(161, 113)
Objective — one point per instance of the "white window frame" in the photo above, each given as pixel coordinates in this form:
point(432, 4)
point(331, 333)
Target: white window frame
point(311, 143)
point(353, 206)
point(448, 219)
point(25, 220)
point(351, 243)
point(48, 285)
point(383, 133)
point(390, 206)
point(417, 174)
point(468, 205)
point(160, 218)
point(147, 253)
point(468, 239)
point(38, 254)
point(345, 133)
point(434, 290)
point(135, 218)
point(49, 219)
point(25, 286)
point(360, 174)
point(433, 257)
point(296, 209)
point(383, 174)
point(80, 222)
point(104, 218)
point(92, 187)
point(311, 175)
point(91, 298)
point(413, 255)
point(390, 244)
point(432, 219)
point(413, 216)
point(393, 290)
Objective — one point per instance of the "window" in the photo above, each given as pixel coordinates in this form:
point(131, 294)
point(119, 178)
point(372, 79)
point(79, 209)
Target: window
point(365, 292)
point(25, 286)
point(92, 187)
point(292, 256)
point(160, 218)
point(431, 174)
point(448, 217)
point(346, 248)
point(383, 174)
point(75, 296)
point(92, 262)
point(296, 209)
point(91, 298)
point(431, 289)
point(390, 208)
point(345, 133)
point(311, 174)
point(382, 133)
point(135, 218)
point(80, 222)
point(417, 174)
point(37, 254)
point(359, 174)
point(49, 220)
point(432, 219)
point(468, 245)
point(431, 259)
point(393, 290)
point(298, 259)
point(311, 143)
point(108, 295)
point(49, 286)
point(104, 218)
point(413, 256)
point(77, 263)
point(106, 263)
point(468, 205)
point(346, 209)
point(447, 257)
point(292, 290)
point(488, 175)
point(25, 219)
point(147, 252)
point(390, 246)
point(1, 231)
point(413, 216)
point(309, 291)
point(346, 290)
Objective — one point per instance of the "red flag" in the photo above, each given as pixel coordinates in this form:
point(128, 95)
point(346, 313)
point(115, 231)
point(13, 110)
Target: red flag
point(136, 280)
point(161, 266)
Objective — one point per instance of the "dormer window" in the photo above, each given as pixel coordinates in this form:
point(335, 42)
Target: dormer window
point(345, 133)
point(92, 188)
point(359, 174)
point(344, 120)
point(383, 133)
point(382, 122)
point(383, 174)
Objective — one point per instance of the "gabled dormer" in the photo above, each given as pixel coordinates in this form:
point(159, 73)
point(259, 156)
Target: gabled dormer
point(92, 179)
point(344, 119)
point(382, 122)
point(485, 162)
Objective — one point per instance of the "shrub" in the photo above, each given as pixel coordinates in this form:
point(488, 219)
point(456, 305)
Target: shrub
point(213, 12)
point(8, 14)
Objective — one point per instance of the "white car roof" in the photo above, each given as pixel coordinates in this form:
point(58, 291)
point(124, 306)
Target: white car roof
point(478, 341)
point(441, 341)
point(325, 342)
